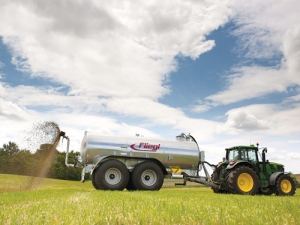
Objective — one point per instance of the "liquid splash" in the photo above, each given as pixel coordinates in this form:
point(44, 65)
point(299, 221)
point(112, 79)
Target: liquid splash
point(41, 134)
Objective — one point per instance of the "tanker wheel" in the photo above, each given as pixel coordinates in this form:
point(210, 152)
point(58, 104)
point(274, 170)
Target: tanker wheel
point(147, 176)
point(130, 186)
point(111, 175)
point(243, 180)
point(285, 185)
point(93, 181)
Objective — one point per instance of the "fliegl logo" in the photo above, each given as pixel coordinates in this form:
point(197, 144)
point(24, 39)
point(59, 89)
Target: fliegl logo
point(145, 147)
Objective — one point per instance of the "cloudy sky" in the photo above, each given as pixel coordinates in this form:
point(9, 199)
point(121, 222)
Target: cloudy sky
point(227, 72)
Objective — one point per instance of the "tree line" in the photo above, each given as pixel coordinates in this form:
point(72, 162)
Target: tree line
point(47, 158)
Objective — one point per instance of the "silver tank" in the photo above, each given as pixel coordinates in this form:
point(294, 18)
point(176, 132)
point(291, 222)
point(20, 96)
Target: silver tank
point(181, 153)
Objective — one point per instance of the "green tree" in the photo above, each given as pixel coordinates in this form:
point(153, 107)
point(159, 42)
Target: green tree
point(23, 162)
point(11, 148)
point(20, 163)
point(3, 160)
point(61, 171)
point(7, 153)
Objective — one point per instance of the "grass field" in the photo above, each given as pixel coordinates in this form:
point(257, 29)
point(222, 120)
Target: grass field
point(69, 202)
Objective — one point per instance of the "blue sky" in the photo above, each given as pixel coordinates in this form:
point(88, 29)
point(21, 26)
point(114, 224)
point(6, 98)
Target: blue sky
point(226, 72)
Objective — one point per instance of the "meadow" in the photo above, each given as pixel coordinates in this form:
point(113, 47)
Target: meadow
point(70, 202)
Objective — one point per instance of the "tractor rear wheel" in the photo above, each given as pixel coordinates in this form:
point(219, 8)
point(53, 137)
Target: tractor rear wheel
point(243, 180)
point(111, 175)
point(285, 185)
point(147, 176)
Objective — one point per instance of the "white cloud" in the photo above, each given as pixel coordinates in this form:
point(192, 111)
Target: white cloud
point(251, 82)
point(262, 24)
point(293, 141)
point(116, 58)
point(268, 119)
point(278, 34)
point(12, 111)
point(112, 49)
point(240, 120)
point(47, 96)
point(201, 106)
point(148, 112)
point(2, 91)
point(291, 49)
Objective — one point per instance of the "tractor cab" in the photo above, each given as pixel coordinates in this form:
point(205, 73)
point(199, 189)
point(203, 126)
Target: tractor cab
point(247, 155)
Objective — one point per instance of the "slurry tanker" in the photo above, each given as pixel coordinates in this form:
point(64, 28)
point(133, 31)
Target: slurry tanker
point(140, 163)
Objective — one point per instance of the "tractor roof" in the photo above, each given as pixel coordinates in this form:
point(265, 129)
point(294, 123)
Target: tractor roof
point(242, 146)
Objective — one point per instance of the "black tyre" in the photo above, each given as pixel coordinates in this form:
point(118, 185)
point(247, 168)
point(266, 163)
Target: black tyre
point(129, 185)
point(243, 180)
point(111, 175)
point(147, 176)
point(285, 185)
point(93, 180)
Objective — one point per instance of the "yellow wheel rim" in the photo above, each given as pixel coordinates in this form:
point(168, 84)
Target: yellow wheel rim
point(245, 182)
point(286, 186)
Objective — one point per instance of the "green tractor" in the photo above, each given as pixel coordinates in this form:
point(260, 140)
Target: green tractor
point(241, 172)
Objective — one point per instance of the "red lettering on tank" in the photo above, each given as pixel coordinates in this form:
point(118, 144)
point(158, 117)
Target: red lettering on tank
point(145, 147)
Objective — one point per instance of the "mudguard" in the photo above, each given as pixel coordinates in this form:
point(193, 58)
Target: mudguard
point(232, 165)
point(103, 158)
point(274, 177)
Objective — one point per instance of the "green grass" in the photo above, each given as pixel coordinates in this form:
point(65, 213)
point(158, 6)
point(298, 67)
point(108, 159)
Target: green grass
point(68, 202)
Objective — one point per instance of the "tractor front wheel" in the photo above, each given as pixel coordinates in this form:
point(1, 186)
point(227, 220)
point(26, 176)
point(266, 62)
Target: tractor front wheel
point(285, 185)
point(243, 180)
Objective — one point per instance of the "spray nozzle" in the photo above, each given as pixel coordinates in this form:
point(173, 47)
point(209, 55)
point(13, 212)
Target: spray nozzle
point(62, 134)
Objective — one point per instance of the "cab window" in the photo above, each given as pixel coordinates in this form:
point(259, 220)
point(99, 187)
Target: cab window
point(252, 155)
point(233, 154)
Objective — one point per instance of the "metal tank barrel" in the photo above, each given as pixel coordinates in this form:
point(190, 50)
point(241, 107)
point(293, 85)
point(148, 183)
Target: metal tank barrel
point(183, 154)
